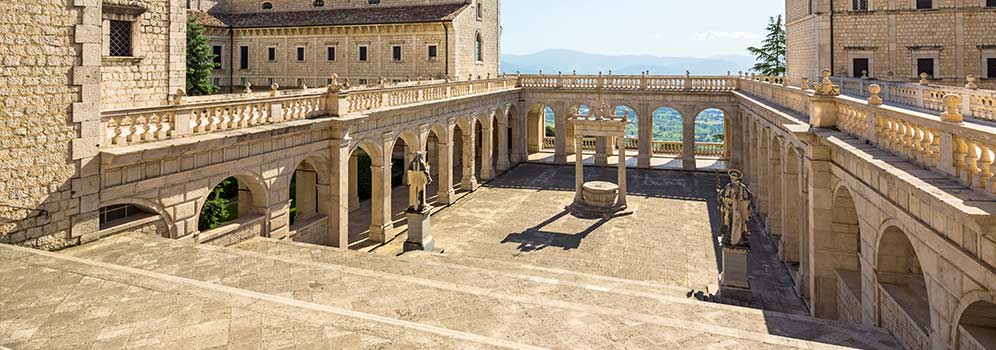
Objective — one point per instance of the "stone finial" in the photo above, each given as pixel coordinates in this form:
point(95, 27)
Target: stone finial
point(180, 96)
point(971, 82)
point(923, 79)
point(805, 83)
point(729, 73)
point(304, 86)
point(248, 87)
point(610, 72)
point(517, 73)
point(826, 86)
point(786, 81)
point(540, 72)
point(273, 88)
point(688, 73)
point(560, 74)
point(489, 75)
point(864, 74)
point(874, 99)
point(382, 81)
point(574, 72)
point(599, 73)
point(951, 104)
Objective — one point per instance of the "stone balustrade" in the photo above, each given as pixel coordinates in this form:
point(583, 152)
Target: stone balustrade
point(976, 103)
point(668, 148)
point(630, 82)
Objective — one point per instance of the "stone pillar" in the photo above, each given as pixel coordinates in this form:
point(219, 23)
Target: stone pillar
point(445, 193)
point(354, 183)
point(520, 136)
point(336, 200)
point(560, 149)
point(380, 196)
point(822, 284)
point(305, 193)
point(645, 140)
point(601, 152)
point(788, 249)
point(621, 142)
point(578, 171)
point(409, 155)
point(487, 151)
point(503, 162)
point(774, 219)
point(469, 181)
point(688, 143)
point(761, 171)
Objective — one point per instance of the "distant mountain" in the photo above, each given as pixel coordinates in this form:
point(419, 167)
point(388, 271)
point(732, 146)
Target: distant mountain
point(566, 61)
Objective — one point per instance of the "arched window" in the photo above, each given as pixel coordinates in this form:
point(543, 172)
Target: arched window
point(318, 3)
point(267, 5)
point(479, 48)
point(480, 10)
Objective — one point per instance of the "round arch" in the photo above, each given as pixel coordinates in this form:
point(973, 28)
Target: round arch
point(974, 321)
point(258, 198)
point(900, 274)
point(147, 206)
point(371, 149)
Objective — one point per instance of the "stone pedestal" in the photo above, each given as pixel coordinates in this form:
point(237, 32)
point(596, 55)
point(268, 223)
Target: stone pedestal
point(419, 232)
point(733, 283)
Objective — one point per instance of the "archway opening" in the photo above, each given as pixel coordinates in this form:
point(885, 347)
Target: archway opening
point(538, 128)
point(977, 327)
point(130, 217)
point(495, 143)
point(401, 155)
point(361, 185)
point(434, 155)
point(668, 132)
point(460, 133)
point(235, 200)
point(846, 256)
point(632, 129)
point(306, 216)
point(905, 305)
point(710, 134)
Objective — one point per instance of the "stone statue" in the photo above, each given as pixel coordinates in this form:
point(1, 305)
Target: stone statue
point(418, 179)
point(734, 205)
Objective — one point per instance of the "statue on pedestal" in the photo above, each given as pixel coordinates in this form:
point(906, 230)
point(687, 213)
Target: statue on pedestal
point(418, 179)
point(734, 205)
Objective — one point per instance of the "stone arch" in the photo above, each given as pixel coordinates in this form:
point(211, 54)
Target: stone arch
point(905, 303)
point(845, 248)
point(724, 128)
point(149, 206)
point(410, 138)
point(669, 121)
point(536, 128)
point(253, 201)
point(974, 323)
point(371, 148)
point(306, 184)
point(513, 135)
point(633, 134)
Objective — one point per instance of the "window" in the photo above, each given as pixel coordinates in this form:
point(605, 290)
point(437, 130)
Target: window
point(300, 54)
point(859, 67)
point(216, 52)
point(363, 53)
point(860, 5)
point(120, 40)
point(267, 6)
point(373, 2)
point(991, 68)
point(925, 65)
point(396, 53)
point(318, 3)
point(243, 57)
point(271, 54)
point(478, 49)
point(990, 3)
point(433, 52)
point(114, 214)
point(330, 53)
point(363, 82)
point(924, 4)
point(480, 10)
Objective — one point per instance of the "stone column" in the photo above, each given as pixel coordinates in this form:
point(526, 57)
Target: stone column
point(788, 249)
point(502, 131)
point(822, 285)
point(469, 181)
point(601, 154)
point(578, 171)
point(487, 151)
point(305, 192)
point(621, 142)
point(761, 177)
point(445, 193)
point(646, 137)
point(688, 143)
point(336, 200)
point(774, 219)
point(380, 197)
point(560, 149)
point(354, 183)
point(409, 155)
point(520, 136)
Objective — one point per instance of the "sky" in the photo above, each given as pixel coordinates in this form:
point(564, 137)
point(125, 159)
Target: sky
point(671, 28)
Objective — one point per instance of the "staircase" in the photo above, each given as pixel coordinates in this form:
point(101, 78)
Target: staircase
point(436, 301)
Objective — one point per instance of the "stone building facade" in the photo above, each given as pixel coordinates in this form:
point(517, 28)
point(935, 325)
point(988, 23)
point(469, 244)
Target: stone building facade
point(304, 42)
point(893, 40)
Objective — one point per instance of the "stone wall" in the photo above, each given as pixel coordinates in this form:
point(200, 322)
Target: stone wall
point(848, 304)
point(315, 231)
point(894, 319)
point(157, 67)
point(466, 27)
point(39, 122)
point(250, 6)
point(234, 233)
point(153, 225)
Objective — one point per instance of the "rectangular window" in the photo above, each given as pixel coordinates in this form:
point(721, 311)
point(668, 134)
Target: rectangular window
point(860, 5)
point(990, 3)
point(300, 54)
point(363, 53)
point(991, 68)
point(433, 52)
point(243, 57)
point(860, 67)
point(120, 38)
point(925, 65)
point(396, 53)
point(271, 54)
point(924, 4)
point(363, 82)
point(216, 52)
point(331, 53)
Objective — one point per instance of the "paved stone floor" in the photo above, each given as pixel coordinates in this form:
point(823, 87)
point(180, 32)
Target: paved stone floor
point(547, 281)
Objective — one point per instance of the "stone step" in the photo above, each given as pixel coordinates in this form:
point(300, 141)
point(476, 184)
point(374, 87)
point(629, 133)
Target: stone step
point(545, 314)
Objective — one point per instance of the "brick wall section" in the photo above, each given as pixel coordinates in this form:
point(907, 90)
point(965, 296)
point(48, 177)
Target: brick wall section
point(160, 67)
point(36, 129)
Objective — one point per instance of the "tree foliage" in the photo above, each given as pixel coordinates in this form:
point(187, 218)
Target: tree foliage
point(221, 205)
point(200, 61)
point(771, 55)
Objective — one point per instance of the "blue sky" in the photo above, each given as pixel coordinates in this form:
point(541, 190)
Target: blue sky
point(671, 28)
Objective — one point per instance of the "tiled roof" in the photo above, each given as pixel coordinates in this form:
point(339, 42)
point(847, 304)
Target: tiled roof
point(372, 15)
point(205, 19)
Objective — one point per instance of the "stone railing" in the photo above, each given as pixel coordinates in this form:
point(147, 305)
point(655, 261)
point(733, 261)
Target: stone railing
point(669, 148)
point(206, 114)
point(976, 103)
point(549, 142)
point(630, 83)
point(773, 89)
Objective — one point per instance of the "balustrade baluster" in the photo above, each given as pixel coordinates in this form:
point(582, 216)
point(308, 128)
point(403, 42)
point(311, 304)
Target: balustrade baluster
point(985, 166)
point(118, 130)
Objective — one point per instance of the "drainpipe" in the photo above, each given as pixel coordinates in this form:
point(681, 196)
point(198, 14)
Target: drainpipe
point(231, 60)
point(831, 39)
point(447, 43)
